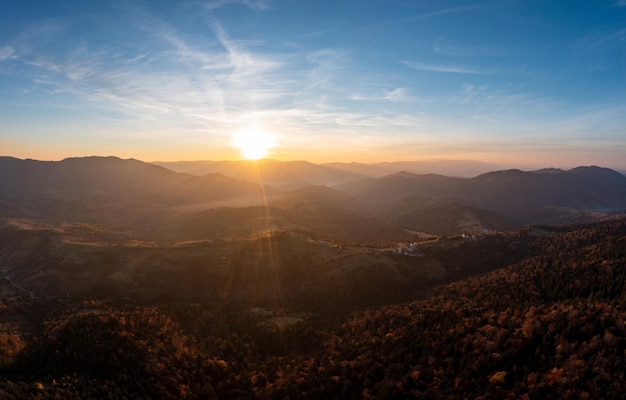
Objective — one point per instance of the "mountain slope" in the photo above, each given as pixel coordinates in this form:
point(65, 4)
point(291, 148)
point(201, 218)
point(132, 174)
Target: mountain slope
point(546, 196)
point(444, 217)
point(546, 327)
point(527, 196)
point(100, 189)
point(109, 176)
point(391, 188)
point(460, 168)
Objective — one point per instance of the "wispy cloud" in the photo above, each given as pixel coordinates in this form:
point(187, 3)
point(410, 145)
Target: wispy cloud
point(399, 95)
point(445, 11)
point(255, 4)
point(450, 68)
point(186, 88)
point(6, 53)
point(204, 86)
point(602, 41)
point(441, 46)
point(243, 62)
point(606, 121)
point(325, 66)
point(428, 13)
point(155, 27)
point(376, 121)
point(191, 71)
point(501, 100)
point(599, 49)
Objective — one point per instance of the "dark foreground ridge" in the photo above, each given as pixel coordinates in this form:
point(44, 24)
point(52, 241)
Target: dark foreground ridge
point(551, 324)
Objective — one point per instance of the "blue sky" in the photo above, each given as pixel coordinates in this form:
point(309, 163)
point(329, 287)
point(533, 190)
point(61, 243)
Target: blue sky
point(520, 83)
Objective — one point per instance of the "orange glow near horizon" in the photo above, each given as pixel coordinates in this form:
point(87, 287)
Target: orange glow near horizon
point(230, 150)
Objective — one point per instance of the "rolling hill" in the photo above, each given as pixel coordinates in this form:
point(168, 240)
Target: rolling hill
point(391, 188)
point(544, 196)
point(526, 197)
point(111, 190)
point(444, 217)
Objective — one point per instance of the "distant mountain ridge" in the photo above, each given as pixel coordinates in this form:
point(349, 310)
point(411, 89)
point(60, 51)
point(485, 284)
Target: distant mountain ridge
point(304, 197)
point(267, 171)
point(280, 173)
point(586, 189)
point(458, 168)
point(545, 196)
point(394, 187)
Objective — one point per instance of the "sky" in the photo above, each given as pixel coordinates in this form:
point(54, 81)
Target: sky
point(515, 82)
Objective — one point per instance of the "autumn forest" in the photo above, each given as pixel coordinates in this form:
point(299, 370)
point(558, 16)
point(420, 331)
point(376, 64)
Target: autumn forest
point(550, 325)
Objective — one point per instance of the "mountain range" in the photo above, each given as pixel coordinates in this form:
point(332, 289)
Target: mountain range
point(272, 172)
point(324, 201)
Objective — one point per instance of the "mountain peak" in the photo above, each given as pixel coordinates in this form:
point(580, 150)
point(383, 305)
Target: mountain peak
point(600, 174)
point(549, 171)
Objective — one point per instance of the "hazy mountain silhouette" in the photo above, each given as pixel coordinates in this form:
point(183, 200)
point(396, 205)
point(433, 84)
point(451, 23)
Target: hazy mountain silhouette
point(98, 189)
point(87, 176)
point(391, 188)
point(527, 196)
point(543, 196)
point(281, 173)
point(133, 193)
point(460, 168)
point(267, 171)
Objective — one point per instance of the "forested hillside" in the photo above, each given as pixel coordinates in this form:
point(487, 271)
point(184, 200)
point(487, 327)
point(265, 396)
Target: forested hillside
point(549, 326)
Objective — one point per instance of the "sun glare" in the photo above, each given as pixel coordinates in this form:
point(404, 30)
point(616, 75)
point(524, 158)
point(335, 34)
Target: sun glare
point(254, 143)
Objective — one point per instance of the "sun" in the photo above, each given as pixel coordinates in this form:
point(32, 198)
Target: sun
point(254, 143)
